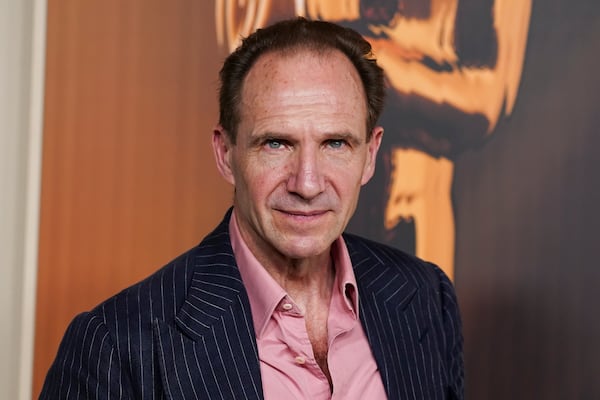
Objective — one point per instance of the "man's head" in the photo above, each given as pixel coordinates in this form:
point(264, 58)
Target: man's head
point(301, 151)
point(289, 37)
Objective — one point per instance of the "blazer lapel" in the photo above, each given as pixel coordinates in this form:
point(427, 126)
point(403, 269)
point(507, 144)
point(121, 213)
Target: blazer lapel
point(391, 312)
point(211, 350)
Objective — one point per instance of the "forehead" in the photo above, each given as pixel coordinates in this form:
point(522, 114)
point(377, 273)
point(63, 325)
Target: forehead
point(296, 64)
point(317, 81)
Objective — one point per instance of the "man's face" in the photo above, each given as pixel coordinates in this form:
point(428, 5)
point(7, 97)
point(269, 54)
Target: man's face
point(301, 153)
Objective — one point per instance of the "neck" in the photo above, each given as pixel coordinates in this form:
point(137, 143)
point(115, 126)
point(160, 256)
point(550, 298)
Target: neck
point(305, 280)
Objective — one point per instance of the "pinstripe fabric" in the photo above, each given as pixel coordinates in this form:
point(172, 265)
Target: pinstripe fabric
point(410, 315)
point(186, 331)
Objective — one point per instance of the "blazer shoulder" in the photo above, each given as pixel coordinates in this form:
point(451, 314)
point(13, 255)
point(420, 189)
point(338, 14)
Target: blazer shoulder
point(421, 272)
point(163, 292)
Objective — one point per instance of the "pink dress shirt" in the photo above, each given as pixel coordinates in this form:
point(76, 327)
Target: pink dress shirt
point(288, 367)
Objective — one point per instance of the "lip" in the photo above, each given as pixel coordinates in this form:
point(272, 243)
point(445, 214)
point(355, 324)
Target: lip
point(303, 213)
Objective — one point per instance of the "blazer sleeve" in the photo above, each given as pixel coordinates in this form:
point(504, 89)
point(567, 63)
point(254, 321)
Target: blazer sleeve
point(453, 339)
point(87, 365)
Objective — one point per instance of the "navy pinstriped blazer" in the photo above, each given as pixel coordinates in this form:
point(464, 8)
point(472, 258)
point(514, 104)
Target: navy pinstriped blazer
point(186, 331)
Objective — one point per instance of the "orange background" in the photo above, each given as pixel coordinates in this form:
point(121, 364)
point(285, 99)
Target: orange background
point(129, 179)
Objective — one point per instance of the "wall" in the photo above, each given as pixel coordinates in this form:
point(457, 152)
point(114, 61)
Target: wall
point(21, 65)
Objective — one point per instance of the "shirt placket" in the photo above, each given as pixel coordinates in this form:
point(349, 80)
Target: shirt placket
point(312, 380)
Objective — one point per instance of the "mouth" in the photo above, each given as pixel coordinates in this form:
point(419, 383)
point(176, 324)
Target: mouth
point(303, 213)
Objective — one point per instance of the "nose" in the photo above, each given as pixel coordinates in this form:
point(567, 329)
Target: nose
point(306, 177)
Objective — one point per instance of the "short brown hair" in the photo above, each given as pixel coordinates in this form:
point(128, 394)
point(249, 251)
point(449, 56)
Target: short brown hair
point(292, 35)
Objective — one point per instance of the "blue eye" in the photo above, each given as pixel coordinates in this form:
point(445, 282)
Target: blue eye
point(336, 144)
point(274, 144)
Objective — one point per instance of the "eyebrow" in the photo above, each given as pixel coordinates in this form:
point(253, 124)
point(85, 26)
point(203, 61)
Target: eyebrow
point(347, 136)
point(256, 140)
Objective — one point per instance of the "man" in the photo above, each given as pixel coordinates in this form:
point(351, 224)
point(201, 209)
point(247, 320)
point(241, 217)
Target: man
point(277, 302)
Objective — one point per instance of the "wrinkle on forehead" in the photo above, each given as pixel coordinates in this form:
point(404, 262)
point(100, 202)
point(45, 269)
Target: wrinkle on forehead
point(276, 75)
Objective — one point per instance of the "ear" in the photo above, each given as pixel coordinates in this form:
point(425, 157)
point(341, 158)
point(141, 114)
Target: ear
point(372, 149)
point(222, 149)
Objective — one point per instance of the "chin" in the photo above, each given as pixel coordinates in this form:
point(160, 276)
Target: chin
point(308, 249)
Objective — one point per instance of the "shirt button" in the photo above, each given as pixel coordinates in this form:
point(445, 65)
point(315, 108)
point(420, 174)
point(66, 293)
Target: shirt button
point(287, 306)
point(300, 360)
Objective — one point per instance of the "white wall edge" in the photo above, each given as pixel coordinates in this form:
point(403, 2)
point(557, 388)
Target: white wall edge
point(33, 197)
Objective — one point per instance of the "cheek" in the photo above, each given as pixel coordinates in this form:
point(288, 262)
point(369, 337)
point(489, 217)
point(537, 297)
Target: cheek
point(260, 181)
point(346, 182)
point(348, 170)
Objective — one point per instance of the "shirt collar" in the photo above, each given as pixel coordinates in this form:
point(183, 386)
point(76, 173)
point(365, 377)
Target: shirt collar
point(265, 293)
point(345, 279)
